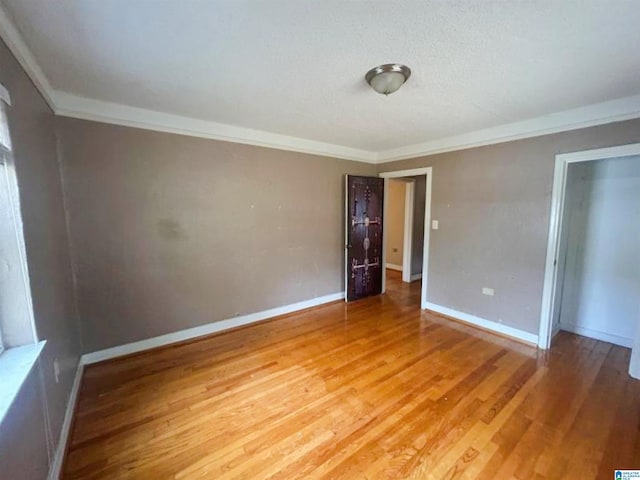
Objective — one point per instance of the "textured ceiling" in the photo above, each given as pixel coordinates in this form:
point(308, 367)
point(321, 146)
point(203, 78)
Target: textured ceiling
point(296, 67)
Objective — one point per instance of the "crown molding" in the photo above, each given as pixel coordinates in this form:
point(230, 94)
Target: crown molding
point(12, 37)
point(70, 105)
point(87, 109)
point(589, 116)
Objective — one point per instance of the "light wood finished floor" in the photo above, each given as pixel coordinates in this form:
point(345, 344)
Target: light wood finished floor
point(370, 390)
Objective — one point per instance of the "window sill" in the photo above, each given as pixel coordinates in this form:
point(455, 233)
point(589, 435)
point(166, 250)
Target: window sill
point(15, 365)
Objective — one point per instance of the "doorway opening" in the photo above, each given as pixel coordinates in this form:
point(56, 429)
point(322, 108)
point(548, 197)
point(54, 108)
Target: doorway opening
point(405, 240)
point(405, 226)
point(592, 272)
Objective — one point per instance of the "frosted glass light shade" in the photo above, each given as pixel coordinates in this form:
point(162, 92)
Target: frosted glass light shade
point(387, 79)
point(387, 82)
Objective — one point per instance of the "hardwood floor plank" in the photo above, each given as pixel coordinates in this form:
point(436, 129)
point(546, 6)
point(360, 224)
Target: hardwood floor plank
point(374, 389)
point(622, 449)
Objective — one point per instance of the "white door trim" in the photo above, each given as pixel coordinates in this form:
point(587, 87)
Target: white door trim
point(407, 233)
point(634, 364)
point(385, 190)
point(428, 171)
point(346, 237)
point(555, 222)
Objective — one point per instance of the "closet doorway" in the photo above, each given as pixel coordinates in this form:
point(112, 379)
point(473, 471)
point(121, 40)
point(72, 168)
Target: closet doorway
point(592, 274)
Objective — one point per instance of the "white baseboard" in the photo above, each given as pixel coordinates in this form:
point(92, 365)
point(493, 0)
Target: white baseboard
point(207, 329)
point(393, 266)
point(416, 276)
point(56, 466)
point(634, 363)
point(486, 324)
point(597, 334)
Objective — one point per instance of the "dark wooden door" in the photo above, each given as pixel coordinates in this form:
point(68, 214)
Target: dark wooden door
point(364, 267)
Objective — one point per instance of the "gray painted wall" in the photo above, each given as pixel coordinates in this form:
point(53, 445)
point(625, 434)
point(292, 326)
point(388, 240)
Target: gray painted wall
point(493, 207)
point(149, 213)
point(170, 232)
point(31, 432)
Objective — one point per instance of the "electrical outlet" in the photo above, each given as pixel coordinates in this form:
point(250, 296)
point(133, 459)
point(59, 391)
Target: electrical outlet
point(56, 370)
point(434, 224)
point(487, 291)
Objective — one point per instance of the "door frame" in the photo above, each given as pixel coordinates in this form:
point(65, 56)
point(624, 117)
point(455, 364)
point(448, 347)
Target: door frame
point(549, 296)
point(407, 231)
point(428, 171)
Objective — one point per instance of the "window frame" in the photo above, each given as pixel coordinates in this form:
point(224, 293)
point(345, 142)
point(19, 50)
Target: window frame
point(27, 328)
point(5, 150)
point(16, 361)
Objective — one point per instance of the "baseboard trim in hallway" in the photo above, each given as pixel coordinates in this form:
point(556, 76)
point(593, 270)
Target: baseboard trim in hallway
point(391, 266)
point(204, 330)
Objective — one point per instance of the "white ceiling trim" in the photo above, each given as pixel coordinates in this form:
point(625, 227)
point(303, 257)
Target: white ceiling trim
point(592, 115)
point(597, 114)
point(69, 105)
point(18, 47)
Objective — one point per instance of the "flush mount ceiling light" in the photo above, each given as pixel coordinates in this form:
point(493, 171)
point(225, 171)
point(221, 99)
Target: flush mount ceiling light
point(388, 78)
